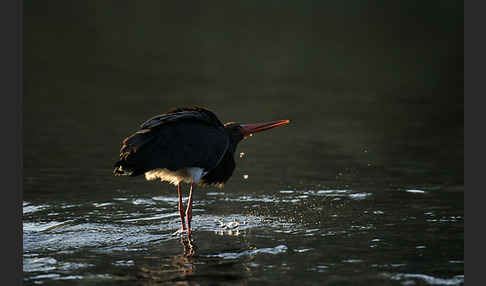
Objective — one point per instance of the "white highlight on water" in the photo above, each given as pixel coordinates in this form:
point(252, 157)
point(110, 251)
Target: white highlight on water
point(415, 191)
point(456, 280)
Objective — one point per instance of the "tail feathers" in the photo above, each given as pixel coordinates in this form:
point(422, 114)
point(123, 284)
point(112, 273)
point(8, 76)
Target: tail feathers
point(121, 169)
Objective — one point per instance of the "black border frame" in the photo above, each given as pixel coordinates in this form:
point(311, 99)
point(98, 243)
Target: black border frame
point(11, 82)
point(474, 153)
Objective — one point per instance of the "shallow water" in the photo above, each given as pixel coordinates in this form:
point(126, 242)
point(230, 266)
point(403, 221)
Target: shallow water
point(307, 236)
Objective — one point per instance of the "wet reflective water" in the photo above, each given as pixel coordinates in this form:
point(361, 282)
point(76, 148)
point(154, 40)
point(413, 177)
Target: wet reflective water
point(291, 235)
point(365, 186)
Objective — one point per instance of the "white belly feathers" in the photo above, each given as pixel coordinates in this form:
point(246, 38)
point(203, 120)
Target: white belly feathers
point(187, 175)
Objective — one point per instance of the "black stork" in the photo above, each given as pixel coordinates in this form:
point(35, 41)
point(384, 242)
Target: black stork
point(185, 145)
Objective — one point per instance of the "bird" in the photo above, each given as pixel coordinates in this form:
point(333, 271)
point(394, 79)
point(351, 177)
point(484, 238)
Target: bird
point(185, 144)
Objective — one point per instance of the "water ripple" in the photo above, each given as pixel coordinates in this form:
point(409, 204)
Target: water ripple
point(456, 280)
point(29, 209)
point(235, 255)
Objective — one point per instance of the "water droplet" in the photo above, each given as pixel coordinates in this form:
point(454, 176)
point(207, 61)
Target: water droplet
point(233, 224)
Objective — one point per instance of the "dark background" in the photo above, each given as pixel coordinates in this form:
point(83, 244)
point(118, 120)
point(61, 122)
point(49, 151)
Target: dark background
point(369, 86)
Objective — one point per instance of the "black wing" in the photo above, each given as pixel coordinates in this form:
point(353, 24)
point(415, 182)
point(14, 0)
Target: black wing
point(196, 113)
point(173, 141)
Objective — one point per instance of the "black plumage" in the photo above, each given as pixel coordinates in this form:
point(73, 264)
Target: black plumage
point(181, 138)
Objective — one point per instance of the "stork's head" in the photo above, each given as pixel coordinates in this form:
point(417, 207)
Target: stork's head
point(239, 131)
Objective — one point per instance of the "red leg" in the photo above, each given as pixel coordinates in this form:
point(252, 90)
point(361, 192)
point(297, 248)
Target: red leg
point(181, 209)
point(189, 211)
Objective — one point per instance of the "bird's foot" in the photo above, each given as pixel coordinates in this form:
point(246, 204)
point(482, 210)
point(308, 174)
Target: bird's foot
point(180, 232)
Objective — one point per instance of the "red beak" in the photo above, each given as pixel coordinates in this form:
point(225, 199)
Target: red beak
point(248, 129)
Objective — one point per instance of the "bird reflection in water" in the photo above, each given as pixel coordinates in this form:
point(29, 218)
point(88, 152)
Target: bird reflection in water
point(189, 268)
point(189, 246)
point(177, 269)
